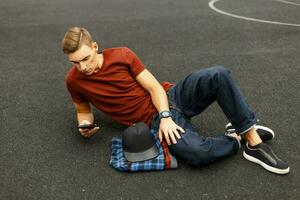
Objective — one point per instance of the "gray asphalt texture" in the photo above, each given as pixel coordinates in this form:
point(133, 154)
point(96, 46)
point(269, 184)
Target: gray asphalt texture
point(42, 155)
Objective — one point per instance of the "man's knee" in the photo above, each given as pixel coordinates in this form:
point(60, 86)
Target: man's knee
point(217, 72)
point(220, 71)
point(219, 76)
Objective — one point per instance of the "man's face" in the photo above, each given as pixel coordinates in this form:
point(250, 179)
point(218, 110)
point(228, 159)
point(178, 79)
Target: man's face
point(85, 59)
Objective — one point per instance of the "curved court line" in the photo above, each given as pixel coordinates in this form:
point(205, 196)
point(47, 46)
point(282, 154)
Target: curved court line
point(211, 5)
point(288, 2)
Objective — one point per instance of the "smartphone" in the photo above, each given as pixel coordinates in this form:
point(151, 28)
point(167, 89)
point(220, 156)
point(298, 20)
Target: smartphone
point(87, 126)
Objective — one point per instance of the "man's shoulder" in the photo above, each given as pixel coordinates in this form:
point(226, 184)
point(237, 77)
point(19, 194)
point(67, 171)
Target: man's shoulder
point(116, 49)
point(70, 76)
point(119, 54)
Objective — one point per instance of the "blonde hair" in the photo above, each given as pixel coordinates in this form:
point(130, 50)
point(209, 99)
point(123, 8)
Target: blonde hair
point(74, 38)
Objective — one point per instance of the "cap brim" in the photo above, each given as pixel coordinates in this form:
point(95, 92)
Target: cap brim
point(142, 156)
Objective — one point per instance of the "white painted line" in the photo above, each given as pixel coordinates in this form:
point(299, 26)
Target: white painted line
point(288, 2)
point(211, 5)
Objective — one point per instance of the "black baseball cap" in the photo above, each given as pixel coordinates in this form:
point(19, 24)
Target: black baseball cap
point(138, 143)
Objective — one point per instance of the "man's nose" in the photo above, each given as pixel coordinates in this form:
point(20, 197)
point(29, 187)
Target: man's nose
point(82, 66)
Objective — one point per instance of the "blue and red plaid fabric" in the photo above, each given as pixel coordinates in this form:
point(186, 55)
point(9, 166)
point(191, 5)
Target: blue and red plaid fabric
point(163, 161)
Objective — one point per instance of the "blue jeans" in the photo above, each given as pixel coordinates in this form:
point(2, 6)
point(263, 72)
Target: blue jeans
point(192, 95)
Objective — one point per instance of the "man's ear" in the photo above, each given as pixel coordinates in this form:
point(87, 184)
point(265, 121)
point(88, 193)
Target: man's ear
point(95, 45)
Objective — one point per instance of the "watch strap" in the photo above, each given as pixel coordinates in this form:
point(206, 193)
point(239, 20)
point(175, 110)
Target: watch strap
point(161, 116)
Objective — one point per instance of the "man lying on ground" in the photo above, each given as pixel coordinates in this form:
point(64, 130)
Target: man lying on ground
point(116, 82)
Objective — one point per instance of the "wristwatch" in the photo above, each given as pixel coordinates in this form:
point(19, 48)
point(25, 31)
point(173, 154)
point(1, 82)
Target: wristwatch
point(165, 114)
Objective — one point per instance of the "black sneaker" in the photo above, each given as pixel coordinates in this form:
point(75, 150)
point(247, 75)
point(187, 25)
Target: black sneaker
point(263, 155)
point(264, 132)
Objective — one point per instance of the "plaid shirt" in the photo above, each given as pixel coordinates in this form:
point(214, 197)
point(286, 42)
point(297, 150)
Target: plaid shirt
point(164, 160)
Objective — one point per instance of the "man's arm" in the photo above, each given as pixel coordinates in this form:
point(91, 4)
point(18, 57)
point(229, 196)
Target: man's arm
point(84, 112)
point(168, 128)
point(85, 115)
point(158, 94)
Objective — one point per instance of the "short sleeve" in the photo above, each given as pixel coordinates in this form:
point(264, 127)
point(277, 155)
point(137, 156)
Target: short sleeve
point(135, 64)
point(77, 97)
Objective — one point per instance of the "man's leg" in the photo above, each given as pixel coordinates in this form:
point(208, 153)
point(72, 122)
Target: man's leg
point(252, 137)
point(197, 91)
point(195, 149)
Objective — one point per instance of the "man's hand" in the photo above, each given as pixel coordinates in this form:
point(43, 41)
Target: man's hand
point(87, 133)
point(168, 128)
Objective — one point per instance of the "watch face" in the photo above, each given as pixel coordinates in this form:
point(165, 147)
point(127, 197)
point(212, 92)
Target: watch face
point(165, 114)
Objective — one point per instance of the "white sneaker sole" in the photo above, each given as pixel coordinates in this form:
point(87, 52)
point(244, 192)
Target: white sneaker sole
point(266, 129)
point(267, 167)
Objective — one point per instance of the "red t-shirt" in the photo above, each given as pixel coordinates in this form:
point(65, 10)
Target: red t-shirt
point(114, 89)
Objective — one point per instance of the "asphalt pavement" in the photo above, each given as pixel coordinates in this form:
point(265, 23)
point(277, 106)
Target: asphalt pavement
point(42, 155)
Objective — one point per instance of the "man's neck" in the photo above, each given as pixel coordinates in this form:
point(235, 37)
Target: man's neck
point(100, 61)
